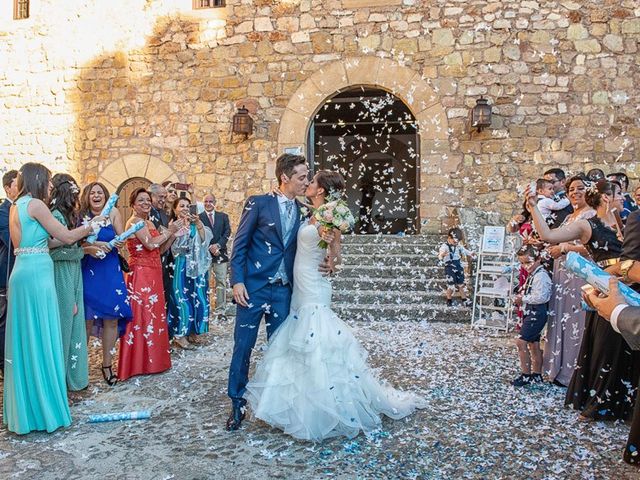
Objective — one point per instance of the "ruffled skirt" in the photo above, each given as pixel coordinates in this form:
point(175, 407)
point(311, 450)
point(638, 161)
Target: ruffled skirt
point(314, 382)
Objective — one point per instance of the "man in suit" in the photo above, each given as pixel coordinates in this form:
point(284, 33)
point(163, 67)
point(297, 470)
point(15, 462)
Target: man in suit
point(262, 269)
point(10, 184)
point(218, 222)
point(624, 318)
point(159, 218)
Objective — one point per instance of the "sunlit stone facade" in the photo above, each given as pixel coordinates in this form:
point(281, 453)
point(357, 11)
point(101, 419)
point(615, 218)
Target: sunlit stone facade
point(148, 88)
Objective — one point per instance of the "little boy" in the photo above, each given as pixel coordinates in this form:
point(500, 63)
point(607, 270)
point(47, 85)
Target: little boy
point(546, 204)
point(535, 295)
point(451, 253)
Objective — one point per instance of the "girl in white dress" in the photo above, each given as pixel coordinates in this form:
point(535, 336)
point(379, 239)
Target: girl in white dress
point(314, 382)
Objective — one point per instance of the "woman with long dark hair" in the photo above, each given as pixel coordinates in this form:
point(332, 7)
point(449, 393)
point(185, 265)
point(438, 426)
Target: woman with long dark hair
point(106, 303)
point(188, 302)
point(144, 345)
point(566, 318)
point(603, 385)
point(35, 393)
point(68, 278)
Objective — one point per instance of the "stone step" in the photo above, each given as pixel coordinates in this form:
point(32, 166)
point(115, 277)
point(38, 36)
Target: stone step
point(393, 239)
point(407, 260)
point(392, 271)
point(431, 313)
point(436, 283)
point(385, 249)
point(375, 297)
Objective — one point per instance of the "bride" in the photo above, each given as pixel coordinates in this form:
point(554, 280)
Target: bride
point(313, 382)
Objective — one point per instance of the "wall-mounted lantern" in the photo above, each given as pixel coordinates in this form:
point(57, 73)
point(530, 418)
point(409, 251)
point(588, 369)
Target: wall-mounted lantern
point(481, 114)
point(242, 122)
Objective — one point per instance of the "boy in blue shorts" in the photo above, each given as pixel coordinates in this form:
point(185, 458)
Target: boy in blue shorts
point(534, 298)
point(451, 254)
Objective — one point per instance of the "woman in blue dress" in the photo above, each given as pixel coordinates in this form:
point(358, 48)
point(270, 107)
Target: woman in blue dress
point(106, 302)
point(35, 390)
point(188, 303)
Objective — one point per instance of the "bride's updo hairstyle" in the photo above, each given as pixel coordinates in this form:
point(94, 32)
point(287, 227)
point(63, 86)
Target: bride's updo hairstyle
point(593, 195)
point(33, 179)
point(332, 182)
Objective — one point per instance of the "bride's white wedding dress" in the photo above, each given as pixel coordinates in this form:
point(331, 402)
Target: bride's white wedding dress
point(314, 381)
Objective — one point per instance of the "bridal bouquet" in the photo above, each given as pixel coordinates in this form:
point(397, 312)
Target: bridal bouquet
point(334, 214)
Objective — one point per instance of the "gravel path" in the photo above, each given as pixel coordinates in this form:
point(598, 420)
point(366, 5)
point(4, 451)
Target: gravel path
point(476, 426)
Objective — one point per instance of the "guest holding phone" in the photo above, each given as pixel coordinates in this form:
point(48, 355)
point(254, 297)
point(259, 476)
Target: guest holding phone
point(188, 300)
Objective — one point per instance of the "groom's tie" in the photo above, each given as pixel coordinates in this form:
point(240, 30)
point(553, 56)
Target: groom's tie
point(289, 207)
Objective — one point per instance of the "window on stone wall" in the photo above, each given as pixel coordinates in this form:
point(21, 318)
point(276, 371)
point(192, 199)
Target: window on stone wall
point(20, 9)
point(198, 4)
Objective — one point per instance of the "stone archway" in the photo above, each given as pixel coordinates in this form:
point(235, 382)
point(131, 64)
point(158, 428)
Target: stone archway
point(403, 82)
point(136, 165)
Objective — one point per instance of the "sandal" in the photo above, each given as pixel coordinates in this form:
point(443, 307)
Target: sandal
point(109, 377)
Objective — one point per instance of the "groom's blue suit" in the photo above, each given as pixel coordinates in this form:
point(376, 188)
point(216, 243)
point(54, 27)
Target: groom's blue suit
point(258, 250)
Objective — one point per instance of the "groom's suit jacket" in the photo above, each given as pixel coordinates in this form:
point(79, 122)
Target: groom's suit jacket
point(259, 247)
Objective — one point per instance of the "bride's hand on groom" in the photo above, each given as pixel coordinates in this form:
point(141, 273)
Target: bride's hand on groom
point(240, 295)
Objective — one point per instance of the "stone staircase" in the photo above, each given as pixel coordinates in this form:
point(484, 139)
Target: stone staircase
point(389, 277)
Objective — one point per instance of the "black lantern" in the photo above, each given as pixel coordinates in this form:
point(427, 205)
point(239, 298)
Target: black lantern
point(242, 122)
point(481, 114)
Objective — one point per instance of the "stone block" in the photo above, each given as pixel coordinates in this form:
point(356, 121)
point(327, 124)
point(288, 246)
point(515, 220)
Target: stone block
point(360, 71)
point(588, 46)
point(442, 37)
point(262, 24)
point(613, 43)
point(577, 31)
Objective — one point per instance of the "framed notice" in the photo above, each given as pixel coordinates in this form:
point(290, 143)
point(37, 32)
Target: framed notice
point(493, 240)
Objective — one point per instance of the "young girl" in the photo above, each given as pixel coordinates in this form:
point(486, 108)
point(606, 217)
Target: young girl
point(533, 299)
point(451, 253)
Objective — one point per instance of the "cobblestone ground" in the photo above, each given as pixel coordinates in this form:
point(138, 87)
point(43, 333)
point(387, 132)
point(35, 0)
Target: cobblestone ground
point(476, 425)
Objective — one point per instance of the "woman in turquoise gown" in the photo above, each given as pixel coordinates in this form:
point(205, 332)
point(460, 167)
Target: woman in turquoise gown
point(35, 390)
point(188, 303)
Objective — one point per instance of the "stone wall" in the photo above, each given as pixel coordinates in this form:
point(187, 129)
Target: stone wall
point(82, 89)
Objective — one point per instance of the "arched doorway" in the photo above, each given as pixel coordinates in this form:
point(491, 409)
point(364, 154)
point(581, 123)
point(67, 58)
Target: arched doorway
point(371, 137)
point(124, 190)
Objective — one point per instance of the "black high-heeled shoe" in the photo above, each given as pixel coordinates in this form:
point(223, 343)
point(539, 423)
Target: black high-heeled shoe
point(109, 377)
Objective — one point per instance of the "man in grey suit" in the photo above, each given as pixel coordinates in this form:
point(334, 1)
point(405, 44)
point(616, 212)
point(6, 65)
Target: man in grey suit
point(625, 320)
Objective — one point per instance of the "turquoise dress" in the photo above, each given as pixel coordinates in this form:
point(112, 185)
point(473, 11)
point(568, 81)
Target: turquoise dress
point(35, 390)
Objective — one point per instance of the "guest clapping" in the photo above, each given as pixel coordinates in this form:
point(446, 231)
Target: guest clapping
point(188, 301)
point(106, 304)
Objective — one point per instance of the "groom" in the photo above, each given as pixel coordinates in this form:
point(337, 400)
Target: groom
point(262, 270)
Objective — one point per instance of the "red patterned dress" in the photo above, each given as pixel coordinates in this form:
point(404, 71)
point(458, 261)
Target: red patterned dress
point(144, 347)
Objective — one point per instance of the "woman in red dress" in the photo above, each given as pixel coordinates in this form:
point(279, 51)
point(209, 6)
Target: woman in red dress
point(144, 347)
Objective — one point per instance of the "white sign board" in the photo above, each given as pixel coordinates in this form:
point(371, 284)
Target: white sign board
point(493, 240)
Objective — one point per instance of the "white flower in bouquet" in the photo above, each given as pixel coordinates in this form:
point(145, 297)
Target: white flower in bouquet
point(334, 214)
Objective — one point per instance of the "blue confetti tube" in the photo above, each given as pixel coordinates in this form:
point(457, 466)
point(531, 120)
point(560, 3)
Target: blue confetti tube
point(106, 210)
point(127, 233)
point(598, 278)
point(114, 417)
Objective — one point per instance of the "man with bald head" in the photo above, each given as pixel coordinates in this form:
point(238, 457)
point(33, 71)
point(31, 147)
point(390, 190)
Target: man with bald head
point(218, 222)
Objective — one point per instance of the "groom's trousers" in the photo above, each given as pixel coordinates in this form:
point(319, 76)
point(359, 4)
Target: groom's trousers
point(272, 302)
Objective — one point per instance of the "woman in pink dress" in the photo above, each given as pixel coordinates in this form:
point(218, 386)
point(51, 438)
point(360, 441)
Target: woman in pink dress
point(144, 347)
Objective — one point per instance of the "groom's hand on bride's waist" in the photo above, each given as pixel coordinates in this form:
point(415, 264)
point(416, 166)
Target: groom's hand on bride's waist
point(240, 295)
point(325, 267)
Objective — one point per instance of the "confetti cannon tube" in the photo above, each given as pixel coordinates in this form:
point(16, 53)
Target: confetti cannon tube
point(106, 210)
point(598, 278)
point(114, 417)
point(127, 233)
